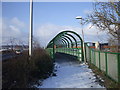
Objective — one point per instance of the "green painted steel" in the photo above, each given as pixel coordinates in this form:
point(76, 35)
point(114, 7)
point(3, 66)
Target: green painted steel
point(106, 63)
point(118, 68)
point(68, 38)
point(65, 41)
point(53, 49)
point(90, 55)
point(99, 61)
point(73, 38)
point(62, 43)
point(112, 69)
point(94, 58)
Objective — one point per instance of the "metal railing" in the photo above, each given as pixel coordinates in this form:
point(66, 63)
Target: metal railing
point(71, 51)
point(65, 42)
point(107, 62)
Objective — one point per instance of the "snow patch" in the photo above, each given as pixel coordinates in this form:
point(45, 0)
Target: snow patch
point(71, 76)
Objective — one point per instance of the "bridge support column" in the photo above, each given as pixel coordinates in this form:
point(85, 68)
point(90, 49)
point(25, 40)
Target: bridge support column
point(53, 49)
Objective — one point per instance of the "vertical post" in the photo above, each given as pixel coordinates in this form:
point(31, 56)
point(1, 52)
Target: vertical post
point(95, 58)
point(82, 50)
point(99, 61)
point(118, 67)
point(90, 54)
point(31, 28)
point(53, 49)
point(85, 52)
point(106, 64)
point(83, 42)
point(50, 53)
point(118, 27)
point(82, 46)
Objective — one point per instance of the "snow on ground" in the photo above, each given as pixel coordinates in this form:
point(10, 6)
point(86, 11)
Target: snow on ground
point(71, 76)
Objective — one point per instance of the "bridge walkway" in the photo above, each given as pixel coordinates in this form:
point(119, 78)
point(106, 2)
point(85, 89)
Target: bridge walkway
point(70, 74)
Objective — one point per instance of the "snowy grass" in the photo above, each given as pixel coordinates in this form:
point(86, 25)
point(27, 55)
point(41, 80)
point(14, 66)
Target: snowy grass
point(71, 76)
point(104, 79)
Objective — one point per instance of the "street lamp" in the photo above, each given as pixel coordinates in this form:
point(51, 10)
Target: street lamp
point(31, 29)
point(81, 19)
point(78, 17)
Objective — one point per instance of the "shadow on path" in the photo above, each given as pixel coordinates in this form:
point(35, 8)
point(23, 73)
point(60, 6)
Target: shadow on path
point(66, 59)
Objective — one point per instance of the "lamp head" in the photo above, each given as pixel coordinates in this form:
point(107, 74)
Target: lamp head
point(78, 17)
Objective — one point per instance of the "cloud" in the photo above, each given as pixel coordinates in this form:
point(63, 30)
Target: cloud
point(87, 11)
point(13, 28)
point(93, 30)
point(17, 22)
point(47, 31)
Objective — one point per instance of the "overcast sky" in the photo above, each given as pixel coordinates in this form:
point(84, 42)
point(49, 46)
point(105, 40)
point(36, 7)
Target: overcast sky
point(49, 18)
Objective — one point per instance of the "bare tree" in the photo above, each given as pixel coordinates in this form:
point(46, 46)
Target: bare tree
point(106, 16)
point(12, 42)
point(15, 43)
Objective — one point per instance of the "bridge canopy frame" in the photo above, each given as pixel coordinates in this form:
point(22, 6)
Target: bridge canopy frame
point(63, 35)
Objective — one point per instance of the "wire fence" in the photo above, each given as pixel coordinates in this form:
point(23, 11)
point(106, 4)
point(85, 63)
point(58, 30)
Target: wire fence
point(108, 62)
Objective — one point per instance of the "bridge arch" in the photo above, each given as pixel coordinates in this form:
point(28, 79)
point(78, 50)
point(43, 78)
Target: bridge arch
point(67, 37)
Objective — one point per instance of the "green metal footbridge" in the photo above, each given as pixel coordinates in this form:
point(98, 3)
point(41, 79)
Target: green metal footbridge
point(68, 42)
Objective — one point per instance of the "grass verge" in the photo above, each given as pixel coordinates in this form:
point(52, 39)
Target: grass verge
point(108, 83)
point(20, 72)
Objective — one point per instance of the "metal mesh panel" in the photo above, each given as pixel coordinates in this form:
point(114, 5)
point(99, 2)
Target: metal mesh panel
point(79, 51)
point(75, 52)
point(79, 54)
point(97, 59)
point(87, 53)
point(102, 61)
point(112, 66)
point(92, 56)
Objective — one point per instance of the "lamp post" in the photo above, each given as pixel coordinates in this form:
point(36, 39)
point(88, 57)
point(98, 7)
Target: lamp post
point(119, 27)
point(80, 18)
point(31, 29)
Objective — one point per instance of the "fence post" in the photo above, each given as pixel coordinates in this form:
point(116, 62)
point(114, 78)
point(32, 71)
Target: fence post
point(94, 58)
point(118, 67)
point(106, 63)
point(99, 61)
point(69, 51)
point(85, 53)
point(53, 49)
point(64, 50)
point(90, 54)
point(73, 51)
point(78, 53)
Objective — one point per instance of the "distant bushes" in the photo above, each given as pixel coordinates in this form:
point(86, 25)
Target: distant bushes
point(20, 72)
